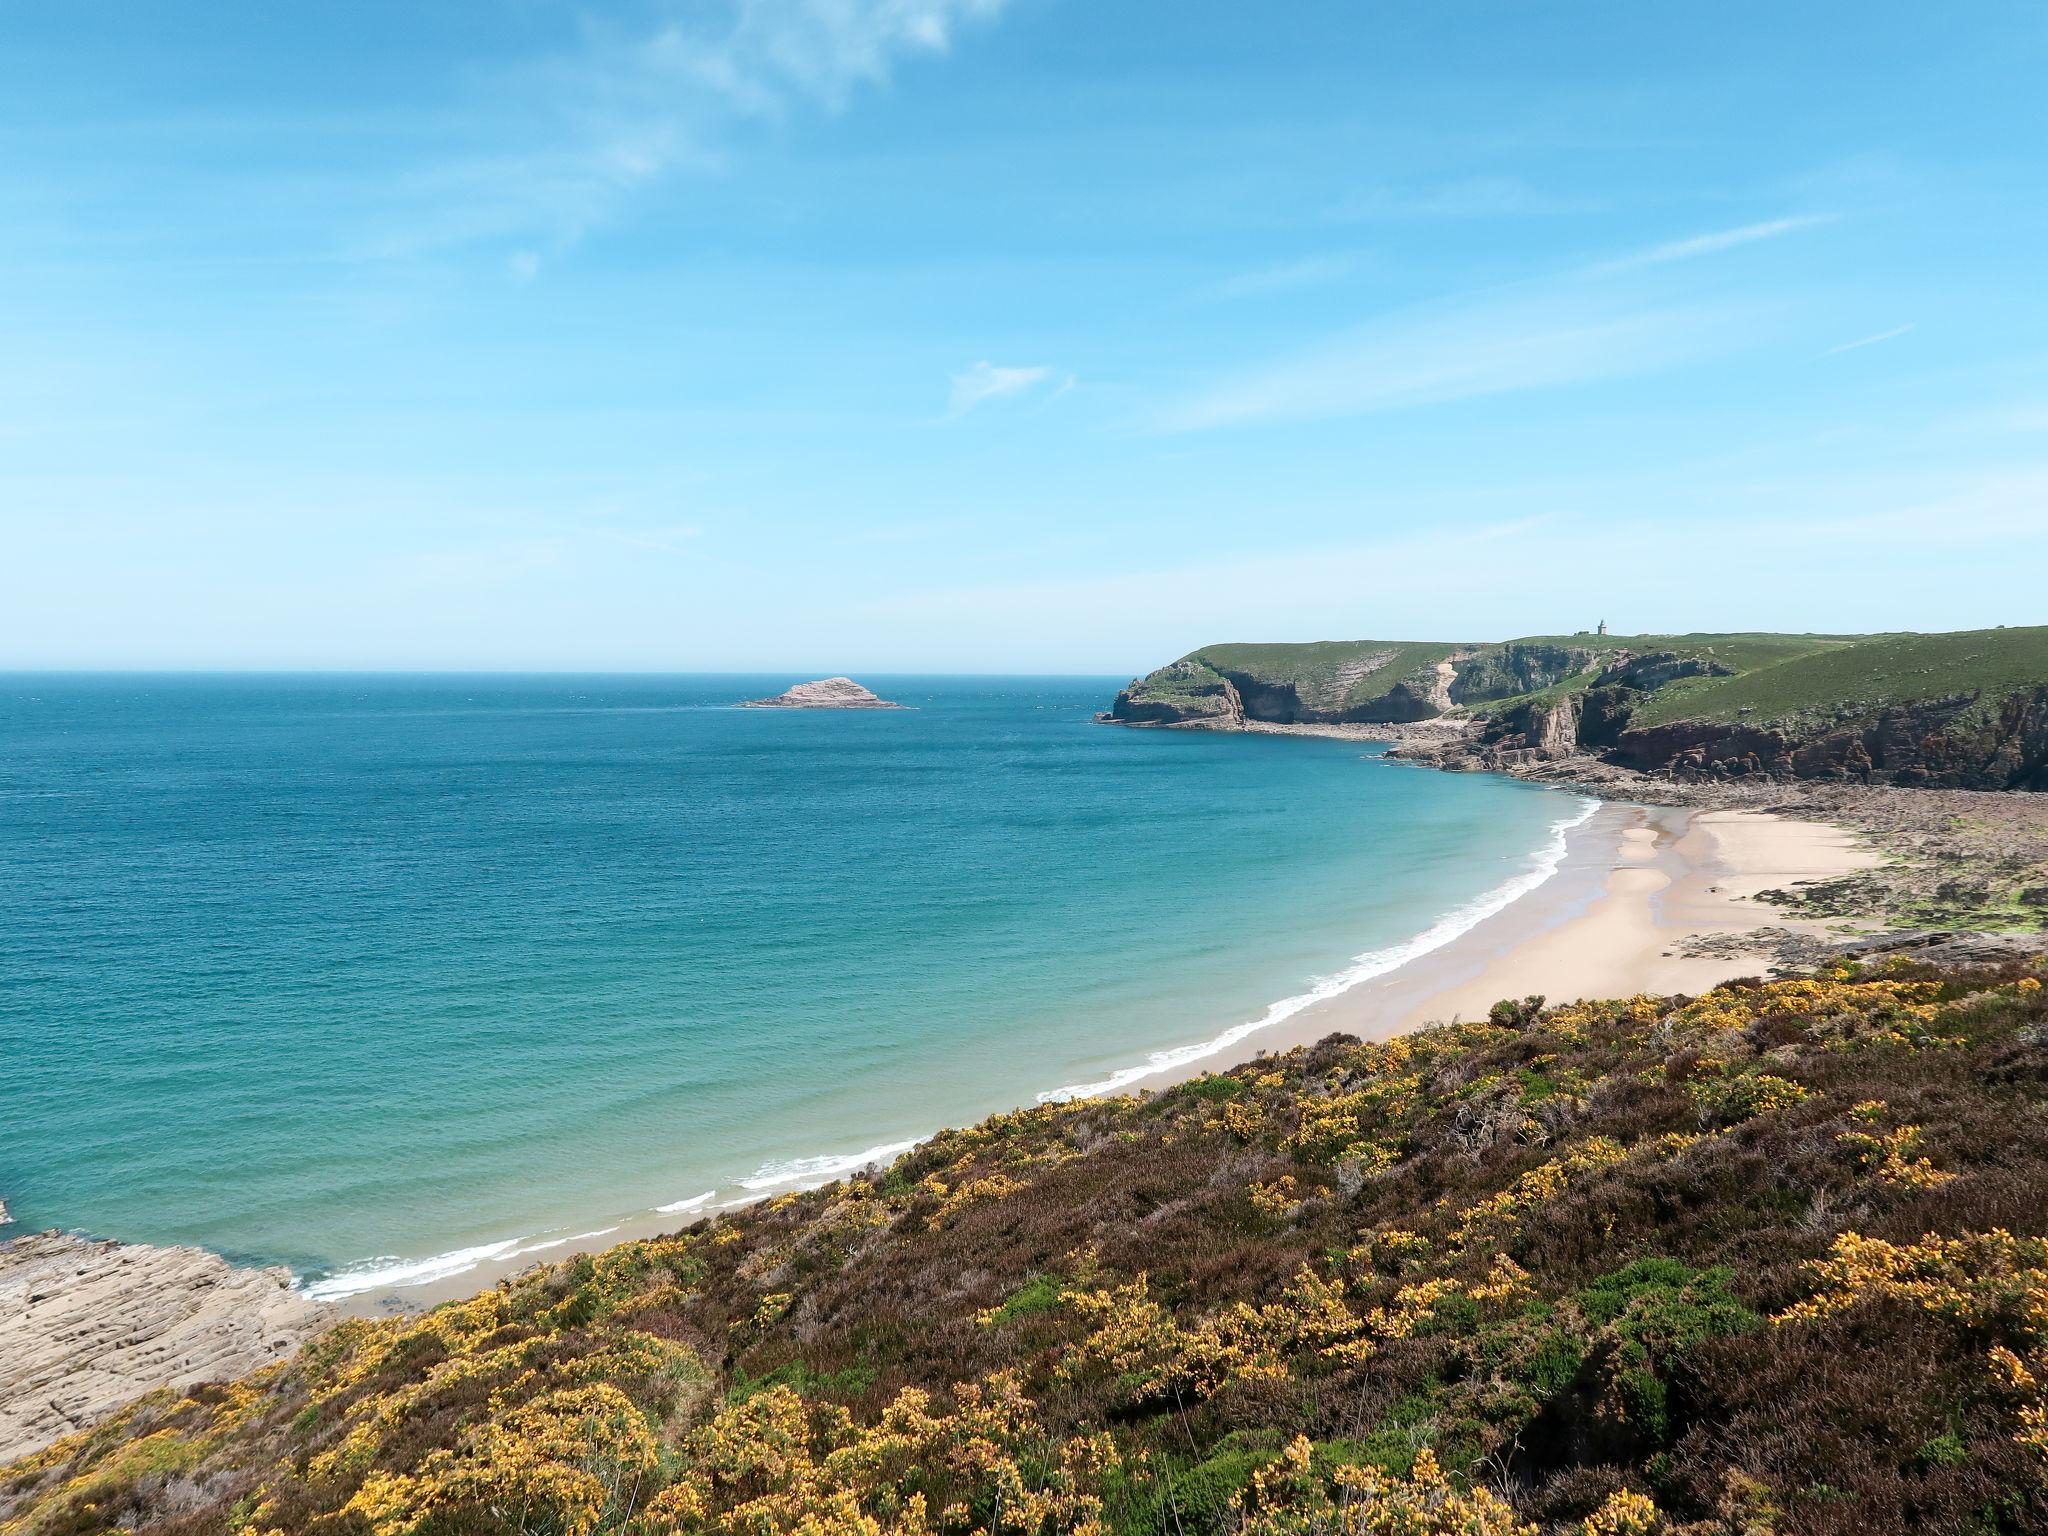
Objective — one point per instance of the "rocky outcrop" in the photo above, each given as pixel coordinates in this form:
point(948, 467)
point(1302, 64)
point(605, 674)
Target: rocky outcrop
point(1648, 673)
point(1207, 689)
point(1195, 691)
point(1518, 667)
point(88, 1326)
point(1537, 731)
point(1842, 713)
point(825, 693)
point(1185, 693)
point(1943, 744)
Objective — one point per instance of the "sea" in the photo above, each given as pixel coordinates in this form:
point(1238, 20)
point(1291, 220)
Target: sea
point(381, 976)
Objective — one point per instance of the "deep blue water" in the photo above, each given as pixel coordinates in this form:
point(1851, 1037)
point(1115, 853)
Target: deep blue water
point(316, 969)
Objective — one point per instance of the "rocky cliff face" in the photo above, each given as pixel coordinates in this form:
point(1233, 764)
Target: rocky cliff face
point(1191, 693)
point(1186, 693)
point(1373, 687)
point(1591, 721)
point(1518, 667)
point(1983, 736)
point(1946, 744)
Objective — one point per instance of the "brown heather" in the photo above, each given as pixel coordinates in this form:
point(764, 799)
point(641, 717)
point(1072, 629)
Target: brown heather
point(1770, 1260)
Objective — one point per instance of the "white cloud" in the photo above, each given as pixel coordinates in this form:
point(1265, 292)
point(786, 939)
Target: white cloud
point(1578, 328)
point(985, 381)
point(1869, 341)
point(1463, 351)
point(1717, 241)
point(1286, 276)
point(596, 126)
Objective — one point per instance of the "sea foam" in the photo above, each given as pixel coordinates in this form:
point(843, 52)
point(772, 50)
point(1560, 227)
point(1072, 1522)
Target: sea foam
point(1374, 962)
point(810, 1172)
point(390, 1270)
point(676, 1206)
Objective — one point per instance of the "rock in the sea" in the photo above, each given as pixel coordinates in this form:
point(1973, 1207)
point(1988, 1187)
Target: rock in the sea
point(89, 1326)
point(825, 693)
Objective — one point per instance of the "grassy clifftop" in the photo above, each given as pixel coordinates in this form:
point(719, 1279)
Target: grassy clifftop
point(1383, 680)
point(1331, 674)
point(1871, 674)
point(1771, 1260)
point(1964, 710)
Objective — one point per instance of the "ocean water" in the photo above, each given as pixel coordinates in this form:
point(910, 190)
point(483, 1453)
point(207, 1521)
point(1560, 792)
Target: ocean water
point(372, 976)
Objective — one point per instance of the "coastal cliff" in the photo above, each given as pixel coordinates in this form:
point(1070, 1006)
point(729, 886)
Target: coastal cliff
point(1966, 710)
point(1342, 682)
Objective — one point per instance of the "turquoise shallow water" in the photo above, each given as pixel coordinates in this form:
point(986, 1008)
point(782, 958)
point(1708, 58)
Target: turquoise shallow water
point(326, 970)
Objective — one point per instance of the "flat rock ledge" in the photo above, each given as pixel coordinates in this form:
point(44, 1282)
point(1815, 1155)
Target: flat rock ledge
point(86, 1327)
point(825, 693)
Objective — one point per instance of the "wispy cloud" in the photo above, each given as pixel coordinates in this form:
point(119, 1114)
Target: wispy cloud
point(1286, 276)
point(626, 110)
point(1870, 341)
point(1715, 242)
point(985, 381)
point(1577, 328)
point(1458, 352)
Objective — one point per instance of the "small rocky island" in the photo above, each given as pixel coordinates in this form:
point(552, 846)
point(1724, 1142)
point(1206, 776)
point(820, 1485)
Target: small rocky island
point(825, 693)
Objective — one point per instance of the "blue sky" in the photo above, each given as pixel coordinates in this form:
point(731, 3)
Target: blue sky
point(1005, 335)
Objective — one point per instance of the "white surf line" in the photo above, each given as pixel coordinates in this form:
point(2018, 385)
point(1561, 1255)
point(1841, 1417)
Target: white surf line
point(800, 1173)
point(810, 1172)
point(388, 1271)
point(1375, 962)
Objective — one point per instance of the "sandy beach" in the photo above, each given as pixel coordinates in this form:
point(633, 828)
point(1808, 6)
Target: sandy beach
point(1635, 880)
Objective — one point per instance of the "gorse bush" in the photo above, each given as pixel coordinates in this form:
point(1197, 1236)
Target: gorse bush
point(1774, 1259)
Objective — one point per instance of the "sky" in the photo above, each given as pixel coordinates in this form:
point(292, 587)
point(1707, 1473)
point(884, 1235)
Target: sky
point(1008, 335)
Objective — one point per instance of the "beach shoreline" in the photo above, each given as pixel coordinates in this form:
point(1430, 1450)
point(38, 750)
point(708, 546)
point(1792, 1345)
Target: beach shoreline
point(1612, 914)
point(1652, 899)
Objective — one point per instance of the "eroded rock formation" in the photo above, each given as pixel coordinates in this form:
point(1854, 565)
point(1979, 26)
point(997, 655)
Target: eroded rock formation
point(88, 1326)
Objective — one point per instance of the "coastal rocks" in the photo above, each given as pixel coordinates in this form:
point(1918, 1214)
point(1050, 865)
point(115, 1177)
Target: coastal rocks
point(1185, 693)
point(1944, 743)
point(86, 1327)
point(1876, 712)
point(1362, 683)
point(1538, 731)
point(1647, 673)
point(1196, 691)
point(1515, 668)
point(825, 693)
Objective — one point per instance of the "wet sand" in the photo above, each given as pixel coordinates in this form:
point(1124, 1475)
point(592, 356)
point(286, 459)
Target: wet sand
point(1635, 880)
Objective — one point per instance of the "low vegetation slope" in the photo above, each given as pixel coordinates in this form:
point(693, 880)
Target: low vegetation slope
point(1770, 1260)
